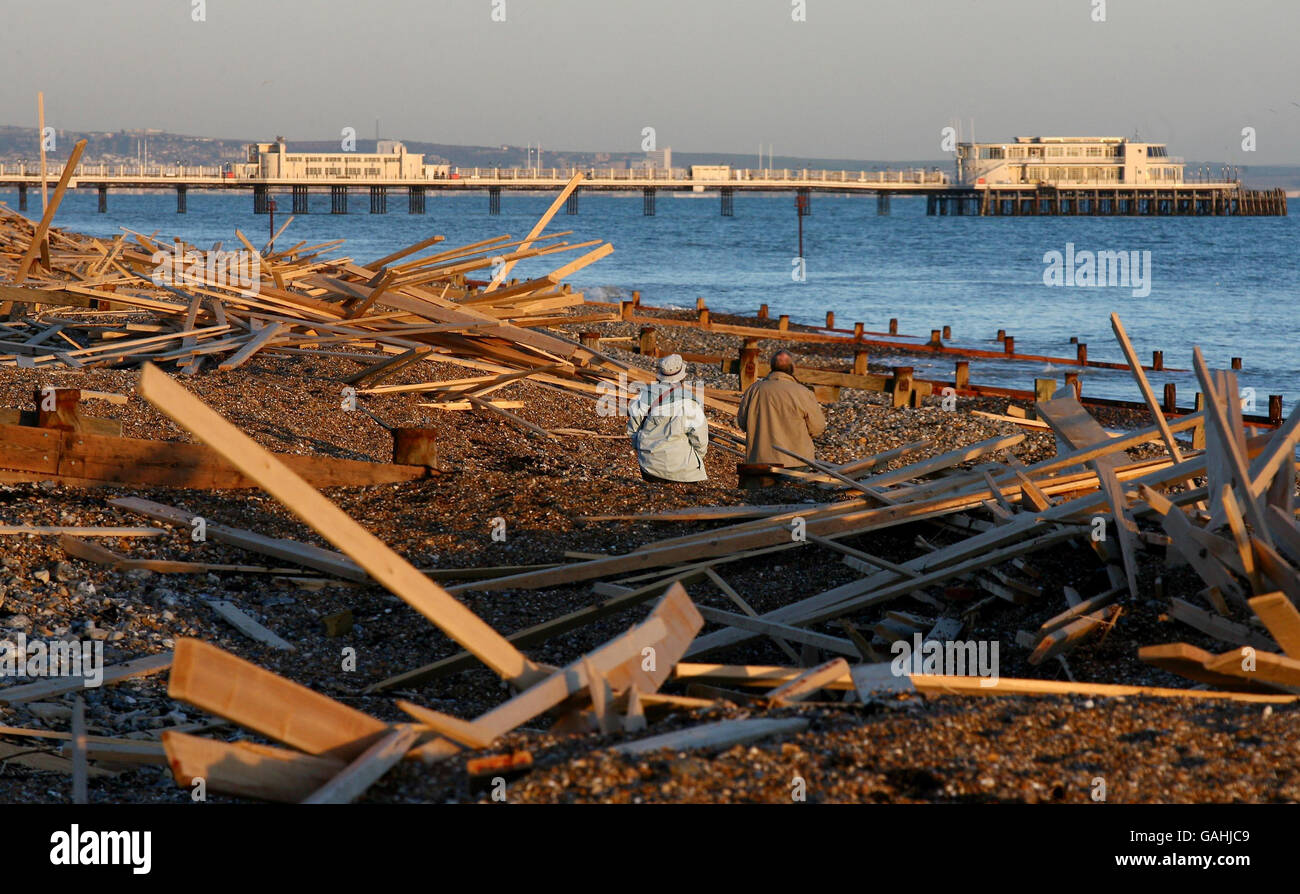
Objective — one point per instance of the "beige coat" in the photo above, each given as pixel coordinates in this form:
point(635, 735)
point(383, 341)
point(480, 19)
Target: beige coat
point(778, 410)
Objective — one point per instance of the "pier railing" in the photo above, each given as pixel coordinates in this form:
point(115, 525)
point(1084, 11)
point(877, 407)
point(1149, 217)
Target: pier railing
point(558, 175)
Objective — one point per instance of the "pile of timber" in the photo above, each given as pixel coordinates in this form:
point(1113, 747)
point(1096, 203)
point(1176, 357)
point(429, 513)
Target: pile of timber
point(330, 752)
point(1227, 509)
point(71, 301)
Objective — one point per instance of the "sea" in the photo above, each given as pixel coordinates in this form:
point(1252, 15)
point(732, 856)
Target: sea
point(1228, 285)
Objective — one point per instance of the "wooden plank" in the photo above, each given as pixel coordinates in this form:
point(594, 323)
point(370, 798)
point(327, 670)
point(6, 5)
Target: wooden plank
point(1282, 620)
point(878, 677)
point(55, 686)
point(933, 686)
point(1072, 633)
point(385, 566)
point(783, 631)
point(1217, 626)
point(763, 676)
point(1077, 428)
point(1286, 532)
point(1135, 366)
point(220, 683)
point(365, 771)
point(1269, 667)
point(716, 736)
point(462, 732)
point(536, 231)
point(102, 459)
point(23, 756)
point(246, 769)
point(1230, 449)
point(80, 768)
point(666, 633)
point(42, 228)
point(233, 615)
point(260, 339)
point(45, 530)
point(304, 554)
point(745, 607)
point(1180, 531)
point(808, 683)
point(1279, 453)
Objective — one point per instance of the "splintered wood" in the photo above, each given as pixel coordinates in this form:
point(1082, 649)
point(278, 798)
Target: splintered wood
point(1227, 509)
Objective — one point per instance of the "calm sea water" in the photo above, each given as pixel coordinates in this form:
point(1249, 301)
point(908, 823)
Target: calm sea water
point(1226, 284)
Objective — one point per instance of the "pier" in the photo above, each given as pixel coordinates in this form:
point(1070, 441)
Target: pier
point(943, 196)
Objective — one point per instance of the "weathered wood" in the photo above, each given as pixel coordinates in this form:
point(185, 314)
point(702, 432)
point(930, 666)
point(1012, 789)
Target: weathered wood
point(1282, 620)
point(808, 683)
point(55, 686)
point(716, 736)
point(247, 769)
point(303, 554)
point(84, 458)
point(222, 684)
point(666, 633)
point(237, 618)
point(363, 772)
point(380, 562)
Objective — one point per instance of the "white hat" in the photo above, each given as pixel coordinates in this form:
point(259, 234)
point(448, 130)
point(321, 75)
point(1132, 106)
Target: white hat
point(672, 368)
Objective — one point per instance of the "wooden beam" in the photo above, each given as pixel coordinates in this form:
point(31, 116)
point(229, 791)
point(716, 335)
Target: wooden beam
point(247, 769)
point(34, 247)
point(808, 683)
point(716, 736)
point(536, 230)
point(385, 566)
point(56, 686)
point(363, 772)
point(1282, 620)
point(220, 683)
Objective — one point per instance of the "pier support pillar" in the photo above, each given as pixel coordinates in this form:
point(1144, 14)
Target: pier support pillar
point(415, 200)
point(103, 200)
point(931, 205)
point(571, 203)
point(22, 196)
point(728, 208)
point(301, 202)
point(882, 204)
point(338, 200)
point(180, 199)
point(648, 201)
point(378, 200)
point(259, 199)
point(494, 200)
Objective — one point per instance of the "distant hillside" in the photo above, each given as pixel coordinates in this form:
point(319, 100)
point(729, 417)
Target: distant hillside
point(125, 146)
point(20, 144)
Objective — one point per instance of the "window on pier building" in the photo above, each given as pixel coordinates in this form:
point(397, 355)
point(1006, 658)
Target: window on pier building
point(993, 152)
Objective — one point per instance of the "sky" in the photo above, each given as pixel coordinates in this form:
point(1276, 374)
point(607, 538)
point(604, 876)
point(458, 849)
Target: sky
point(866, 79)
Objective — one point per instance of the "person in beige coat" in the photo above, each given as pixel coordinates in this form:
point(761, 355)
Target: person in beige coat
point(778, 411)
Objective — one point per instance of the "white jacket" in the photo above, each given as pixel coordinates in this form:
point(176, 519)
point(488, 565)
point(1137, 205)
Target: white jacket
point(669, 432)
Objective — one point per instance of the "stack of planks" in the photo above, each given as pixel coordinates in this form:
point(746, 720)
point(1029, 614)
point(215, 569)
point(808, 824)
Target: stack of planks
point(84, 302)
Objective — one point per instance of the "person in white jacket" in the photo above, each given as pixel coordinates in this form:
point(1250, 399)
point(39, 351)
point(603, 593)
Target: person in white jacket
point(667, 427)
